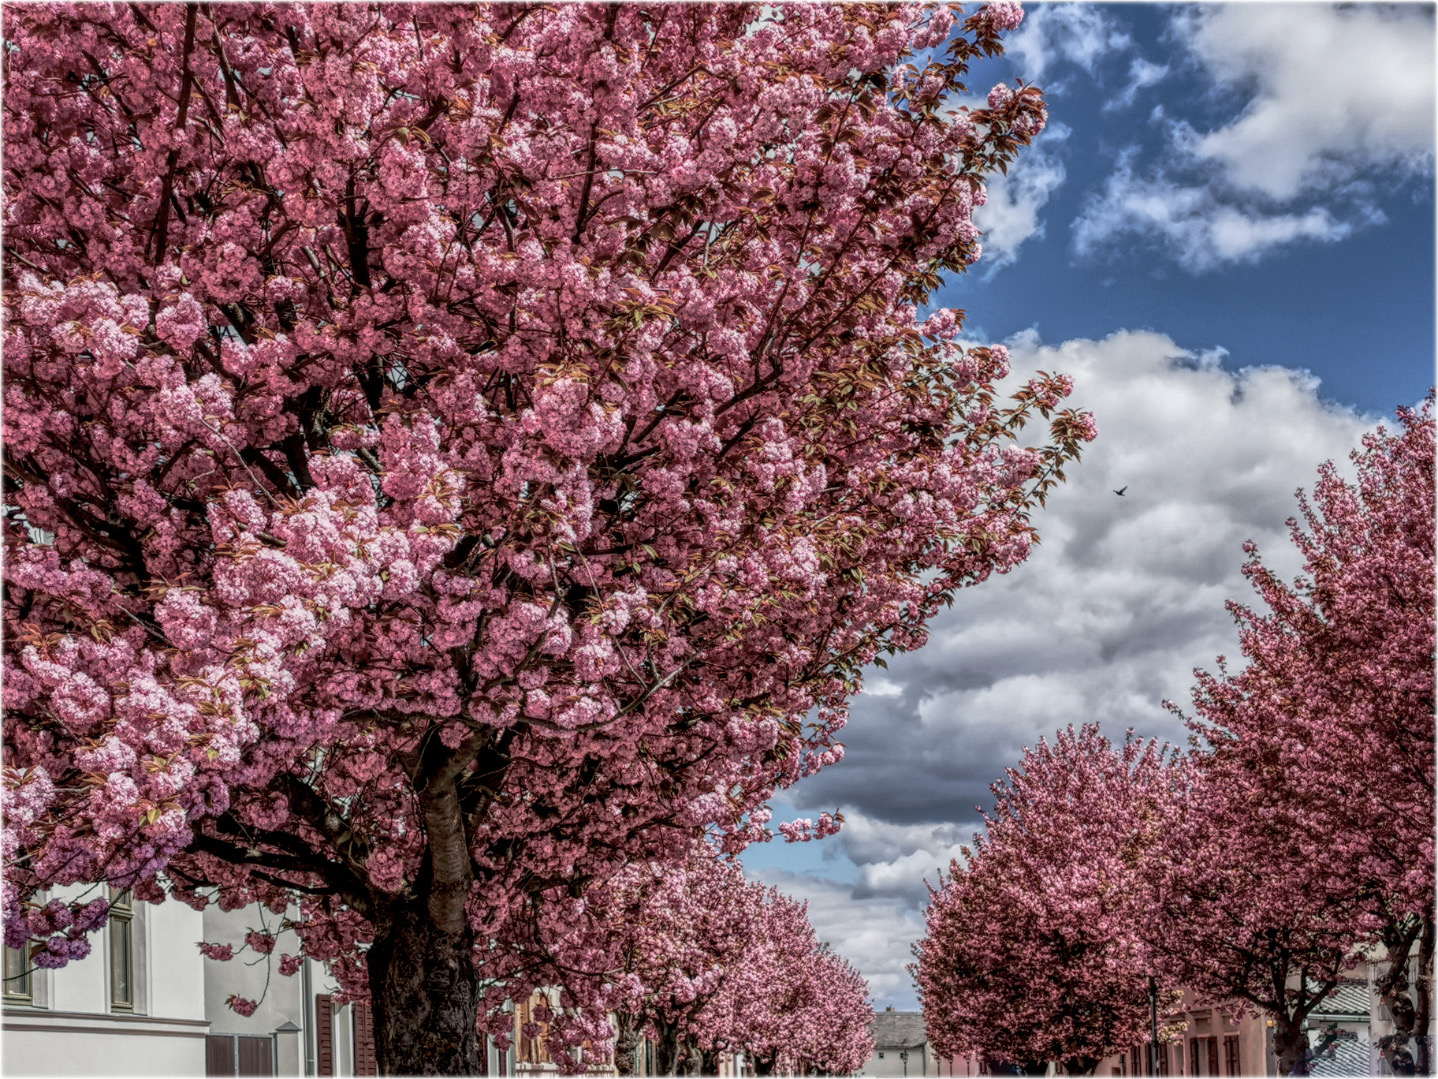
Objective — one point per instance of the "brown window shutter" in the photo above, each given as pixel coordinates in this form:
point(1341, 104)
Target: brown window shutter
point(365, 1061)
point(1193, 1056)
point(256, 1054)
point(219, 1054)
point(1212, 1056)
point(523, 1044)
point(324, 1034)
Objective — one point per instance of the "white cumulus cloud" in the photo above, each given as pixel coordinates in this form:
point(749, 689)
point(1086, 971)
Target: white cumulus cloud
point(1078, 33)
point(1337, 104)
point(1339, 90)
point(1195, 226)
point(1011, 214)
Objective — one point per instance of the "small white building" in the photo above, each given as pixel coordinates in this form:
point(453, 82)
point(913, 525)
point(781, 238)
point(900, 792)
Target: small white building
point(146, 1002)
point(901, 1046)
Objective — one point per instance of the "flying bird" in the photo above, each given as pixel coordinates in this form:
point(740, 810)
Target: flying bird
point(1121, 490)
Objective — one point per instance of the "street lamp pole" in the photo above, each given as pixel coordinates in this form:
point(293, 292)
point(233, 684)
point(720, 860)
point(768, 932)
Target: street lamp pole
point(1153, 1018)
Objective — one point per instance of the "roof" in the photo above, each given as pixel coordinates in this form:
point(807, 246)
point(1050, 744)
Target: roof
point(1349, 1057)
point(1346, 998)
point(899, 1030)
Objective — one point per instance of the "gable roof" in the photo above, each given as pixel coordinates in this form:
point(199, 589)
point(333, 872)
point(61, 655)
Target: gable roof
point(1349, 1056)
point(1345, 998)
point(899, 1030)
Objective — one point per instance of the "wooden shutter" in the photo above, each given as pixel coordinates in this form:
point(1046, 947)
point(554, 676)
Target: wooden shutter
point(524, 1044)
point(1212, 1056)
point(256, 1055)
point(219, 1054)
point(1193, 1056)
point(324, 1034)
point(1230, 1054)
point(365, 1061)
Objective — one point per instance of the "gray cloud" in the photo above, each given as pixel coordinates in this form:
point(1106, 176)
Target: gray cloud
point(1114, 609)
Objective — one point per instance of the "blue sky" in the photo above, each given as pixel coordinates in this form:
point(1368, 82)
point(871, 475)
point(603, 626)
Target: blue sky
point(1226, 235)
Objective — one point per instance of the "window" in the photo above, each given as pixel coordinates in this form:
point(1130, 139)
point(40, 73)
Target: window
point(1193, 1056)
point(1212, 1055)
point(122, 951)
point(18, 988)
point(529, 1050)
point(1230, 1055)
point(881, 1056)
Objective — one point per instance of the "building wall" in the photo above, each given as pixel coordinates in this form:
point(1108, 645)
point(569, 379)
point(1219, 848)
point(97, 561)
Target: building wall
point(70, 1029)
point(886, 1061)
point(1251, 1032)
point(281, 1000)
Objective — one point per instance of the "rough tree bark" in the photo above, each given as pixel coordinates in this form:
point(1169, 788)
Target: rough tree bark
point(1411, 1016)
point(425, 997)
point(627, 1039)
point(1424, 1011)
point(1290, 1046)
point(424, 987)
point(668, 1050)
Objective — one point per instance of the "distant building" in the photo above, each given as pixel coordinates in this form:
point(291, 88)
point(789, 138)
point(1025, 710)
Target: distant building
point(1340, 1030)
point(1214, 1042)
point(901, 1046)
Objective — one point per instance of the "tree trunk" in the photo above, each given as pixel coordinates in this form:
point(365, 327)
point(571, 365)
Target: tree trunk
point(626, 1041)
point(1083, 1066)
point(763, 1065)
point(666, 1048)
point(693, 1060)
point(424, 992)
point(1424, 1011)
point(1290, 1045)
point(1409, 1027)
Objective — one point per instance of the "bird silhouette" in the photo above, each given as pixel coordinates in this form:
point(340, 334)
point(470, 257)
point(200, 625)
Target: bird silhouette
point(1121, 490)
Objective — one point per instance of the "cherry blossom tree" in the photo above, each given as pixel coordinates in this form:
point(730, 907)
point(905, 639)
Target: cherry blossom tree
point(703, 962)
point(1334, 709)
point(670, 939)
point(455, 451)
point(1236, 911)
point(1034, 951)
point(808, 1010)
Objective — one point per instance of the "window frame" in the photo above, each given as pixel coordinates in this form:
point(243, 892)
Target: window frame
point(20, 987)
point(1232, 1060)
point(121, 930)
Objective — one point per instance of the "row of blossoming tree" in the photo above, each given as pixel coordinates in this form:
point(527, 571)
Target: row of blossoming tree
point(705, 963)
point(454, 453)
point(1294, 841)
